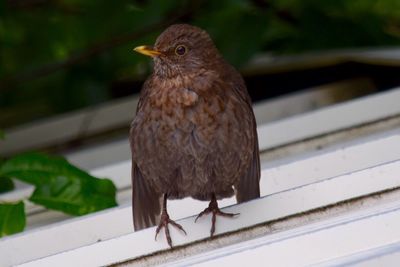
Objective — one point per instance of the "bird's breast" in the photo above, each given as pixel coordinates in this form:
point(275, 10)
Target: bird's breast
point(189, 138)
point(168, 100)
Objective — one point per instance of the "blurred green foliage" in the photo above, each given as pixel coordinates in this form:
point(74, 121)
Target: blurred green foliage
point(13, 218)
point(6, 184)
point(58, 186)
point(65, 54)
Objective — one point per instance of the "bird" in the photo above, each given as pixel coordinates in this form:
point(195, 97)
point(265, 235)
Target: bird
point(194, 133)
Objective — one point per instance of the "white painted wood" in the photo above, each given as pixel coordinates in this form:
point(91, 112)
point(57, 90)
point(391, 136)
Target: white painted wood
point(378, 255)
point(43, 133)
point(285, 131)
point(312, 245)
point(329, 119)
point(80, 231)
point(63, 236)
point(269, 63)
point(101, 155)
point(119, 114)
point(387, 260)
point(335, 161)
point(343, 160)
point(276, 176)
point(310, 99)
point(390, 260)
point(279, 205)
point(70, 126)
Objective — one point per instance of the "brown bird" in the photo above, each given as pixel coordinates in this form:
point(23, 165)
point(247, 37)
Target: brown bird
point(194, 134)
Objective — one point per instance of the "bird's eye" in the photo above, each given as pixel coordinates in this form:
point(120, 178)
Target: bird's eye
point(180, 50)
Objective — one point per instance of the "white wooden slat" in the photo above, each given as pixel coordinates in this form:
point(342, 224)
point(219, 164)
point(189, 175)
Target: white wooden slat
point(270, 63)
point(329, 119)
point(63, 236)
point(122, 148)
point(118, 114)
point(317, 244)
point(310, 99)
point(200, 205)
point(70, 126)
point(338, 160)
point(101, 155)
point(28, 136)
point(347, 160)
point(291, 172)
point(390, 260)
point(275, 206)
point(378, 255)
point(275, 178)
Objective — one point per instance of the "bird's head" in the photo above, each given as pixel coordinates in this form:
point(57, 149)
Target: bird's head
point(181, 49)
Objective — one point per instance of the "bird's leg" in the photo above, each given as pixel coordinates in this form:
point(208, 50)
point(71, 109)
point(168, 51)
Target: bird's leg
point(165, 220)
point(213, 208)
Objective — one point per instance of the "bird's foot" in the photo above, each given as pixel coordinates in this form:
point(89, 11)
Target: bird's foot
point(214, 209)
point(164, 221)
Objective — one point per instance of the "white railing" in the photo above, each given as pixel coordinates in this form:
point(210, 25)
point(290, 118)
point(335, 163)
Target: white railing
point(269, 208)
point(292, 186)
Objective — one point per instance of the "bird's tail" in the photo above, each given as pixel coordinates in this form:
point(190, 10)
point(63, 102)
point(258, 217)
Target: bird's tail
point(145, 201)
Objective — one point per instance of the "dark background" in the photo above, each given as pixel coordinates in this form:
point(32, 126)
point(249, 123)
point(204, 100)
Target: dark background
point(61, 55)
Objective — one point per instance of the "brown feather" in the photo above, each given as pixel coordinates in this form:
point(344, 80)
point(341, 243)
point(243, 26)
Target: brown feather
point(145, 202)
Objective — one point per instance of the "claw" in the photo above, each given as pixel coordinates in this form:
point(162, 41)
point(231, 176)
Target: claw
point(164, 221)
point(214, 209)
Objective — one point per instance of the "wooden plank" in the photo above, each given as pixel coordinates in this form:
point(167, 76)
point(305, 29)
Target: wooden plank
point(330, 119)
point(276, 176)
point(280, 205)
point(314, 245)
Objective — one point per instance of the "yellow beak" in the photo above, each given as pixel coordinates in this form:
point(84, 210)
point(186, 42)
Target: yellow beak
point(147, 50)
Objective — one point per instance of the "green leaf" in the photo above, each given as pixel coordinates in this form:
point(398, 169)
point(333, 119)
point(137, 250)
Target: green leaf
point(12, 218)
point(60, 185)
point(6, 184)
point(2, 135)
